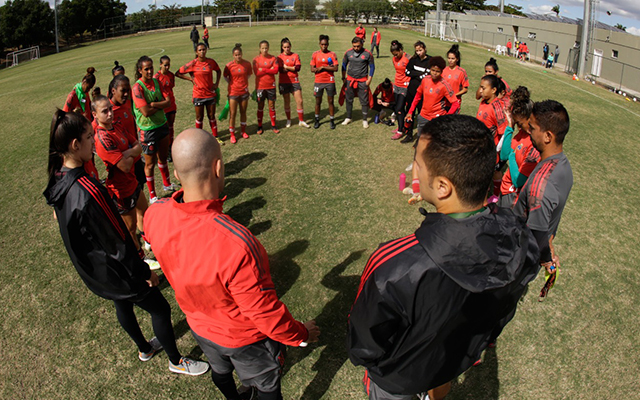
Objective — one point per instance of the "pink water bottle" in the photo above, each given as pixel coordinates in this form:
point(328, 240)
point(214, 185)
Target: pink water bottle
point(403, 181)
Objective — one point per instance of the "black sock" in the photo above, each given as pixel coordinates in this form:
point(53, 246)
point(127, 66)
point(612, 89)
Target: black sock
point(275, 395)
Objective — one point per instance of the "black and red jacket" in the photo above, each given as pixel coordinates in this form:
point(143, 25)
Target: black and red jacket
point(97, 240)
point(429, 303)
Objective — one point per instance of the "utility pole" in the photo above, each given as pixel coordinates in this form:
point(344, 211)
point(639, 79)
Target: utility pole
point(202, 13)
point(55, 13)
point(584, 41)
point(501, 6)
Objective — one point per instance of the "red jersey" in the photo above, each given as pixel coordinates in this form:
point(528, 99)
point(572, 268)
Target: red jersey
point(386, 95)
point(220, 274)
point(90, 169)
point(456, 78)
point(73, 102)
point(361, 33)
point(527, 157)
point(238, 76)
point(400, 64)
point(124, 117)
point(202, 73)
point(167, 83)
point(291, 60)
point(492, 115)
point(436, 97)
point(265, 69)
point(320, 59)
point(110, 144)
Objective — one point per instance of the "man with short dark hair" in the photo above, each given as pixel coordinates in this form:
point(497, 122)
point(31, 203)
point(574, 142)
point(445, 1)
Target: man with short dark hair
point(220, 274)
point(428, 304)
point(544, 195)
point(358, 66)
point(195, 37)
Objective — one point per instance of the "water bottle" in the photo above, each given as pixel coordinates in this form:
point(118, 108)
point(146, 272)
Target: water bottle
point(330, 61)
point(403, 181)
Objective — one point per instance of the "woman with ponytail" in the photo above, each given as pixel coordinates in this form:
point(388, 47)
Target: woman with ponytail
point(400, 85)
point(101, 249)
point(78, 99)
point(237, 73)
point(491, 68)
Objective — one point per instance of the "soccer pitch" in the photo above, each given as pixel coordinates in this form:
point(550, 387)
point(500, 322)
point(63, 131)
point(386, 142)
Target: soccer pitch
point(320, 201)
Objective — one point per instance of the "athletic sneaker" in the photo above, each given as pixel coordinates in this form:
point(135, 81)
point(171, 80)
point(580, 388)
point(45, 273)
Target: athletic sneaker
point(316, 124)
point(245, 135)
point(153, 200)
point(220, 142)
point(408, 138)
point(409, 167)
point(407, 190)
point(365, 124)
point(423, 396)
point(346, 121)
point(171, 188)
point(188, 366)
point(416, 198)
point(333, 124)
point(260, 131)
point(396, 136)
point(388, 122)
point(146, 245)
point(233, 139)
point(303, 124)
point(155, 347)
point(153, 264)
point(395, 131)
point(288, 125)
point(275, 130)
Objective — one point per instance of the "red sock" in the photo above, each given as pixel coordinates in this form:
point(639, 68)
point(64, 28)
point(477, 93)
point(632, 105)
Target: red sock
point(151, 185)
point(198, 124)
point(214, 127)
point(164, 171)
point(287, 112)
point(415, 186)
point(496, 187)
point(300, 115)
point(243, 127)
point(260, 114)
point(232, 131)
point(272, 115)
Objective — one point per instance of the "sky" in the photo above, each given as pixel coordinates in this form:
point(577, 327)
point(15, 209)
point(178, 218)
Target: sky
point(625, 12)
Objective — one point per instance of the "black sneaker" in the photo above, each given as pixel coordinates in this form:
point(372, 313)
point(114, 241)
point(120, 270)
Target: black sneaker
point(316, 124)
point(408, 138)
point(333, 124)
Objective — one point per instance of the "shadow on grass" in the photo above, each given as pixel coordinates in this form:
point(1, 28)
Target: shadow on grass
point(235, 186)
point(332, 323)
point(243, 212)
point(284, 270)
point(242, 162)
point(480, 382)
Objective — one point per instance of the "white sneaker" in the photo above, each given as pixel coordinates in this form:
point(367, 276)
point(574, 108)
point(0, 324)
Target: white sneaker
point(407, 190)
point(303, 124)
point(365, 124)
point(153, 200)
point(146, 245)
point(188, 366)
point(346, 121)
point(171, 188)
point(409, 168)
point(153, 264)
point(288, 125)
point(155, 347)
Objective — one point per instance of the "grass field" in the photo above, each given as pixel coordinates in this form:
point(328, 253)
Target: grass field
point(320, 201)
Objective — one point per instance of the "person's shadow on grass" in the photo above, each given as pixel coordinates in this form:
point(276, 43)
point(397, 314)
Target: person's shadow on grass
point(332, 322)
point(284, 270)
point(242, 162)
point(479, 382)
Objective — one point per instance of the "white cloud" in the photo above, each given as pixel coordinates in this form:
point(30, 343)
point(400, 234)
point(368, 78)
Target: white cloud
point(540, 9)
point(633, 30)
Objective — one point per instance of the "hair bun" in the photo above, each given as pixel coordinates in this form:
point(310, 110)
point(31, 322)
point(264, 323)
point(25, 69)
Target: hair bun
point(116, 64)
point(238, 44)
point(91, 70)
point(492, 60)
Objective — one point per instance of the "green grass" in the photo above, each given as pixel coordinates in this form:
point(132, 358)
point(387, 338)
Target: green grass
point(320, 201)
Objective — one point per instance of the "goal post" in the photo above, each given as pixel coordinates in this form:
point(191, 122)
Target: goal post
point(15, 58)
point(222, 18)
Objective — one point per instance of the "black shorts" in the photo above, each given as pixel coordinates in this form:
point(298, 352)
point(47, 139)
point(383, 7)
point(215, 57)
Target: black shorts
point(319, 88)
point(268, 94)
point(241, 97)
point(203, 102)
point(259, 364)
point(149, 139)
point(128, 203)
point(286, 88)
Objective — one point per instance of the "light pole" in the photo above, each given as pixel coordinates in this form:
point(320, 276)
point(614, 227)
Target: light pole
point(584, 42)
point(55, 14)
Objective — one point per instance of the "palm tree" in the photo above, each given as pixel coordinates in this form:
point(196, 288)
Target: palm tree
point(556, 9)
